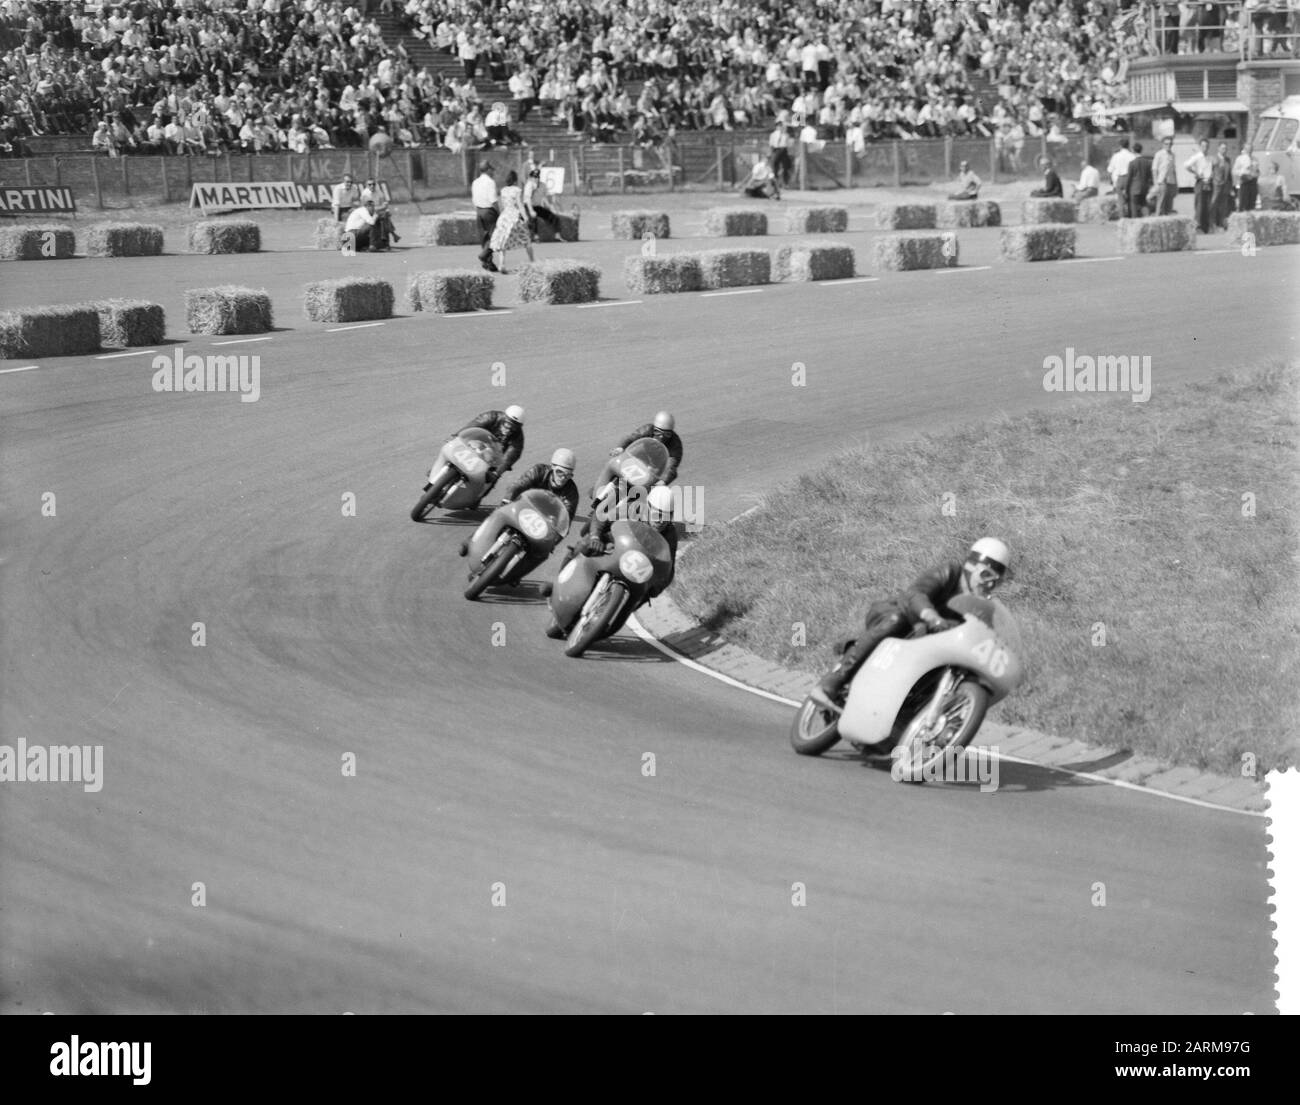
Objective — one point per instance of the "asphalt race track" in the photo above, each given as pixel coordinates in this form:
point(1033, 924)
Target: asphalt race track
point(483, 761)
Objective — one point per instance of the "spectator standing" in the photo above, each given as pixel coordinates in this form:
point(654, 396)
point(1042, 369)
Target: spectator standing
point(779, 142)
point(511, 229)
point(1165, 174)
point(1245, 174)
point(537, 203)
point(483, 193)
point(344, 198)
point(1202, 168)
point(1117, 170)
point(1221, 197)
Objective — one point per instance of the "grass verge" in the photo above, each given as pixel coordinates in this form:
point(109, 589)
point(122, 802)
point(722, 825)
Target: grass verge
point(1156, 561)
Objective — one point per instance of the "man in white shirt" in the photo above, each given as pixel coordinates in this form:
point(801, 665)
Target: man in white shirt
point(343, 198)
point(1164, 174)
point(483, 193)
point(1202, 168)
point(1117, 170)
point(359, 224)
point(1089, 183)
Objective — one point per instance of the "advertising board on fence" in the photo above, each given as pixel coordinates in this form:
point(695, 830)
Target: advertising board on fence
point(35, 201)
point(266, 194)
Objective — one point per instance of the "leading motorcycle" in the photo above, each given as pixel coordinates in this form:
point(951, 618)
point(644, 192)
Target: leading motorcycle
point(914, 698)
point(459, 477)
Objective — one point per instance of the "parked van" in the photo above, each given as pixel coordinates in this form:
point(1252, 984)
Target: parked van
point(1275, 140)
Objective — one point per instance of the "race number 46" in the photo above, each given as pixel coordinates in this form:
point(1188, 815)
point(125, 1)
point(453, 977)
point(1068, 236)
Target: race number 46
point(992, 657)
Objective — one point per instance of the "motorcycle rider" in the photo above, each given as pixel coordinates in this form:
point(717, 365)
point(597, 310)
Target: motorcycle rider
point(663, 428)
point(657, 512)
point(923, 603)
point(507, 427)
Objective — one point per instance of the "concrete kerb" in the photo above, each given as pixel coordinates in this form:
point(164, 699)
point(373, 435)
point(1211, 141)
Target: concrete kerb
point(664, 624)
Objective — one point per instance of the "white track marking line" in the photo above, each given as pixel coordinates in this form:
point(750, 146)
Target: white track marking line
point(478, 314)
point(240, 341)
point(616, 303)
point(847, 280)
point(1209, 252)
point(1088, 260)
point(25, 368)
point(133, 353)
point(971, 268)
point(635, 625)
point(735, 291)
point(358, 326)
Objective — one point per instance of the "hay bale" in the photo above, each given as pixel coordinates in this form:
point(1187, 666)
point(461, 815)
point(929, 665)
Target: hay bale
point(449, 291)
point(127, 322)
point(1098, 209)
point(679, 272)
point(964, 213)
point(735, 222)
point(906, 216)
point(37, 242)
point(1269, 228)
point(225, 236)
point(734, 268)
point(808, 261)
point(633, 225)
point(1156, 234)
point(124, 240)
point(1036, 212)
point(49, 331)
point(328, 234)
point(903, 252)
point(352, 299)
point(816, 220)
point(450, 230)
point(566, 231)
point(559, 282)
point(1037, 243)
point(227, 310)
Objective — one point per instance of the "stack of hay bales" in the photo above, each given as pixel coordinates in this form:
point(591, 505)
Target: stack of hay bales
point(659, 275)
point(632, 225)
point(1267, 228)
point(903, 252)
point(735, 222)
point(328, 234)
point(124, 240)
point(225, 236)
point(1036, 212)
point(816, 220)
point(49, 331)
point(37, 242)
point(734, 268)
point(906, 216)
point(227, 310)
point(1156, 234)
point(810, 261)
point(449, 291)
point(127, 322)
point(964, 213)
point(1098, 209)
point(352, 299)
point(450, 230)
point(1044, 242)
point(559, 282)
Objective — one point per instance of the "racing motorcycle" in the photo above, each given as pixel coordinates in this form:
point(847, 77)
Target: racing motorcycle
point(594, 595)
point(640, 465)
point(459, 477)
point(914, 698)
point(514, 539)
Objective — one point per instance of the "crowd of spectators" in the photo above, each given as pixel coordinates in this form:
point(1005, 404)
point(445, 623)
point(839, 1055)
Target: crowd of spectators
point(206, 76)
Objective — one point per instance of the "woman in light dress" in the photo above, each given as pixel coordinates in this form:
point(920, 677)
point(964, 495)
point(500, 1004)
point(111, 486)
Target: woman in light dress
point(512, 225)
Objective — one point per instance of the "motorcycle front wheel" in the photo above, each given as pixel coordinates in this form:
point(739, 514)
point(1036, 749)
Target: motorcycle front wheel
point(960, 717)
point(491, 570)
point(432, 495)
point(594, 626)
point(814, 729)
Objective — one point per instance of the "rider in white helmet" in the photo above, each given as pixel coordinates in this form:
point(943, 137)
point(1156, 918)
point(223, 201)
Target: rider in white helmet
point(663, 428)
point(654, 507)
point(507, 427)
point(980, 573)
point(556, 477)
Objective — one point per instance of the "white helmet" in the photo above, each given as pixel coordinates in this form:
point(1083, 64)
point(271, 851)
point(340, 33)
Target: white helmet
point(986, 565)
point(664, 421)
point(515, 413)
point(661, 504)
point(564, 458)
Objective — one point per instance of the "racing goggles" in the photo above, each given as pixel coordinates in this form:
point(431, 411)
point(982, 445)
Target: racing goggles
point(984, 570)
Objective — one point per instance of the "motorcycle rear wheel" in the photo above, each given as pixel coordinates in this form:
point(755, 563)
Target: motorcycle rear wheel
point(962, 714)
point(432, 496)
point(491, 570)
point(814, 729)
point(594, 626)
